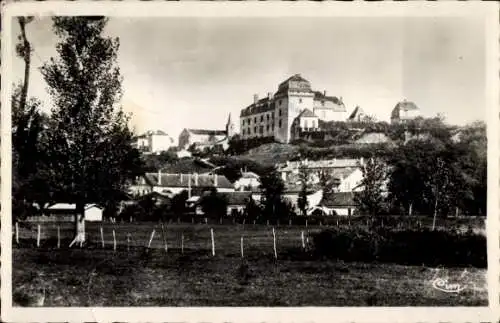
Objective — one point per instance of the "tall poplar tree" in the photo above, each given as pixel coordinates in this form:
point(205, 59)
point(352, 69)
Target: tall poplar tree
point(90, 141)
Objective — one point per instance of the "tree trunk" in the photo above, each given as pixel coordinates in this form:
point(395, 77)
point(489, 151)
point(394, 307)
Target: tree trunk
point(410, 209)
point(79, 225)
point(27, 63)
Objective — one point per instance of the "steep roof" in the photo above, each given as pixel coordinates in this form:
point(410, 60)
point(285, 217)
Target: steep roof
point(356, 113)
point(182, 180)
point(403, 106)
point(207, 132)
point(306, 113)
point(320, 96)
point(338, 199)
point(262, 105)
point(296, 83)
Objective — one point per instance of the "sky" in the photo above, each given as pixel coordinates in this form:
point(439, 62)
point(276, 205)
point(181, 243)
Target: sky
point(191, 72)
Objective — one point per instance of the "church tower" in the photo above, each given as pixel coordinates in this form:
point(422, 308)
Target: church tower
point(229, 127)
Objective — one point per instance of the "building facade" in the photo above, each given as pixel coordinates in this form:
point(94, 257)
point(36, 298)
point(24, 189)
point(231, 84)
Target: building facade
point(206, 138)
point(154, 142)
point(405, 111)
point(274, 115)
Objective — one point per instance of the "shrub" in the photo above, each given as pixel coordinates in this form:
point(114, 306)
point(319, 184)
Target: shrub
point(407, 247)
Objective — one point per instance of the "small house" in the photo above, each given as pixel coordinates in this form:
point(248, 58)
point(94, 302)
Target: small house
point(93, 212)
point(336, 203)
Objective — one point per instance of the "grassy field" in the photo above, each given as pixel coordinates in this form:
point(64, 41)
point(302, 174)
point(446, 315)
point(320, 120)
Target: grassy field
point(134, 276)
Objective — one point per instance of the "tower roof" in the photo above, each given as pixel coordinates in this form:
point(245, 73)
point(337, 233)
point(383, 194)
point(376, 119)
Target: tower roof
point(306, 113)
point(356, 113)
point(295, 83)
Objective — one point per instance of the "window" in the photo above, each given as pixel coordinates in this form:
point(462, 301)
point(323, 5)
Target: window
point(300, 100)
point(255, 120)
point(267, 128)
point(261, 118)
point(272, 126)
point(279, 123)
point(305, 124)
point(249, 131)
point(268, 117)
point(255, 129)
point(279, 103)
point(313, 124)
point(279, 112)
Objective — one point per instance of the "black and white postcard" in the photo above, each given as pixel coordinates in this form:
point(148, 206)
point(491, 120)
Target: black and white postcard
point(250, 161)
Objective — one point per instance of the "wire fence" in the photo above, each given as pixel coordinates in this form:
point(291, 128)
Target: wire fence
point(209, 235)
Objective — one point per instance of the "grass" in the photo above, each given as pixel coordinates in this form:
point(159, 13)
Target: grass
point(134, 276)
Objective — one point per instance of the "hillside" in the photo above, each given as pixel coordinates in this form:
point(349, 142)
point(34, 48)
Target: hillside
point(270, 154)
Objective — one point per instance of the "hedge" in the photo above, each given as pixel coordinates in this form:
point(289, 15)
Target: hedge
point(405, 247)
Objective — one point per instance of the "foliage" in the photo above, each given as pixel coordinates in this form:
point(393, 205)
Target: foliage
point(90, 147)
point(154, 162)
point(433, 177)
point(370, 199)
point(274, 206)
point(178, 205)
point(406, 247)
point(213, 204)
point(302, 202)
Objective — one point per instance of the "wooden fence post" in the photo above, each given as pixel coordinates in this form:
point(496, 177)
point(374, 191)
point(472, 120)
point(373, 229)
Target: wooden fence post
point(302, 238)
point(274, 245)
point(102, 238)
point(213, 241)
point(290, 222)
point(151, 239)
point(267, 222)
point(164, 234)
point(241, 246)
point(114, 240)
point(182, 243)
point(337, 223)
point(306, 223)
point(128, 241)
point(58, 237)
point(17, 232)
point(206, 221)
point(38, 237)
point(220, 221)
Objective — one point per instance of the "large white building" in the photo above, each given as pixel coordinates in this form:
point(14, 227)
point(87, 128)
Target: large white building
point(154, 142)
point(274, 115)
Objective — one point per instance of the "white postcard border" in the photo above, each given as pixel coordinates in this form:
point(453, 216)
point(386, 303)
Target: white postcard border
point(248, 9)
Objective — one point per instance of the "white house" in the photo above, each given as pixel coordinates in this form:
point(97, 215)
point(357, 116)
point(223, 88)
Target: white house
point(93, 212)
point(247, 182)
point(154, 142)
point(405, 111)
point(335, 203)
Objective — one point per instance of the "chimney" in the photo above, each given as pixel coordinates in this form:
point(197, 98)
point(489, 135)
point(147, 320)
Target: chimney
point(324, 92)
point(159, 176)
point(255, 98)
point(215, 180)
point(269, 95)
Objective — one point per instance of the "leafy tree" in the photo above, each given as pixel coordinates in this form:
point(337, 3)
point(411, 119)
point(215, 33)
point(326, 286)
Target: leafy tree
point(272, 187)
point(252, 209)
point(213, 204)
point(371, 198)
point(90, 142)
point(304, 179)
point(179, 202)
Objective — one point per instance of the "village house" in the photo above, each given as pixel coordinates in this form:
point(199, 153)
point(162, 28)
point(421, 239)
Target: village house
point(247, 182)
point(172, 184)
point(65, 212)
point(205, 138)
point(154, 142)
point(335, 203)
point(405, 111)
point(236, 202)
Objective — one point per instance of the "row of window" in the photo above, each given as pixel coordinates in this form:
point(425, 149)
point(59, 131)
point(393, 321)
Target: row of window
point(261, 129)
point(268, 116)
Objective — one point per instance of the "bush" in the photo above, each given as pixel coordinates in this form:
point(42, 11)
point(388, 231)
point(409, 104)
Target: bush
point(406, 247)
